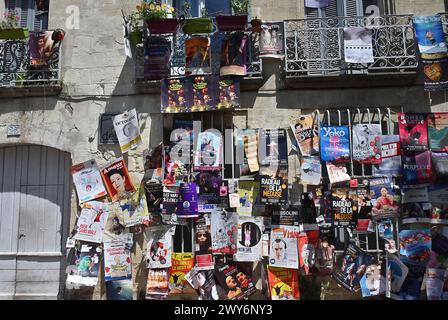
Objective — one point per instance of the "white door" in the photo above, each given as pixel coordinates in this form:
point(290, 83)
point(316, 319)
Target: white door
point(34, 217)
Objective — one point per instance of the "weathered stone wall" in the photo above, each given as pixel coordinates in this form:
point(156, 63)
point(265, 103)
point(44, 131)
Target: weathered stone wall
point(98, 78)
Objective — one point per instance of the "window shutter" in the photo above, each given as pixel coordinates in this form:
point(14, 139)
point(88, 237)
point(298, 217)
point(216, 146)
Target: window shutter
point(29, 16)
point(332, 10)
point(353, 8)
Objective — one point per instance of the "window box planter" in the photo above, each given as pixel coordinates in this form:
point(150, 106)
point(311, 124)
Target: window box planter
point(17, 33)
point(162, 26)
point(136, 37)
point(198, 25)
point(231, 23)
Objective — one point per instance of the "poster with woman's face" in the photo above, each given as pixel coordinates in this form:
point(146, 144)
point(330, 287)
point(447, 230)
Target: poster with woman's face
point(117, 180)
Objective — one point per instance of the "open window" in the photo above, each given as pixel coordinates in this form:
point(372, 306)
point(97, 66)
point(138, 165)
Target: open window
point(33, 13)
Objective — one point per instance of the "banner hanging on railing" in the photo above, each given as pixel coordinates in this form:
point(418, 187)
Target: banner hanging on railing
point(271, 40)
point(433, 51)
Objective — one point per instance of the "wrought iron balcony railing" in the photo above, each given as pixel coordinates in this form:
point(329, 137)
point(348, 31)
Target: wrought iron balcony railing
point(315, 47)
point(18, 70)
point(177, 68)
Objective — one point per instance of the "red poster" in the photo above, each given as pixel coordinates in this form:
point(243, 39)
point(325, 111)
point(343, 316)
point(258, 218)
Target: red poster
point(117, 180)
point(413, 129)
point(283, 283)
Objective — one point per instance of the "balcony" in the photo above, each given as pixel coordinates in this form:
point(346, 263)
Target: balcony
point(315, 49)
point(177, 61)
point(20, 77)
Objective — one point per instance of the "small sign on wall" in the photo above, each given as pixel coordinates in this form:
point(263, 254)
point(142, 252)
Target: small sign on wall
point(13, 130)
point(107, 133)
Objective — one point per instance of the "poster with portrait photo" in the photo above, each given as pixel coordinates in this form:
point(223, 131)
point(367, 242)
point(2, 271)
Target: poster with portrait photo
point(283, 251)
point(197, 55)
point(249, 239)
point(153, 164)
point(135, 209)
point(119, 290)
point(236, 284)
point(203, 242)
point(306, 133)
point(208, 155)
point(84, 266)
point(92, 221)
point(127, 130)
point(385, 202)
point(228, 93)
point(117, 180)
point(413, 129)
point(88, 182)
point(367, 143)
point(353, 267)
point(224, 228)
point(358, 46)
point(271, 40)
point(159, 247)
point(41, 49)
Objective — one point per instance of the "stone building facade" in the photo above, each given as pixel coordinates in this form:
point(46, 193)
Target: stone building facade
point(97, 78)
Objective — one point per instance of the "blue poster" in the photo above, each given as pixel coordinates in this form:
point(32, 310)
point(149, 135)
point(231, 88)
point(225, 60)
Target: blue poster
point(334, 143)
point(429, 34)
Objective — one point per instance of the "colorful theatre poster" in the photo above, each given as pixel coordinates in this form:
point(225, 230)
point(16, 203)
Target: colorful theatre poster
point(84, 266)
point(208, 155)
point(337, 172)
point(197, 55)
point(396, 272)
point(234, 51)
point(204, 93)
point(175, 95)
point(417, 168)
point(344, 208)
point(236, 284)
point(117, 180)
point(271, 40)
point(135, 209)
point(228, 93)
point(209, 183)
point(358, 46)
point(41, 49)
point(274, 187)
point(367, 143)
point(390, 156)
point(273, 149)
point(430, 35)
point(224, 228)
point(385, 203)
point(283, 251)
point(308, 241)
point(159, 247)
point(306, 133)
point(249, 239)
point(413, 128)
point(92, 221)
point(88, 182)
point(181, 265)
point(373, 282)
point(117, 260)
point(438, 131)
point(334, 143)
point(176, 169)
point(127, 130)
point(187, 204)
point(283, 283)
point(157, 285)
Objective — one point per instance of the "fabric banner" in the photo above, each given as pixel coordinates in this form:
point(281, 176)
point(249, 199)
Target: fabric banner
point(271, 40)
point(358, 45)
point(127, 130)
point(234, 54)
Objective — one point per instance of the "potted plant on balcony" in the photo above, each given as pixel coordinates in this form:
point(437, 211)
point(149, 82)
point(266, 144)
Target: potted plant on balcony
point(136, 33)
point(237, 21)
point(9, 27)
point(195, 25)
point(158, 17)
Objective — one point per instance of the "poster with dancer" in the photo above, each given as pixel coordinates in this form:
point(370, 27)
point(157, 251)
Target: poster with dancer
point(249, 239)
point(430, 35)
point(181, 265)
point(88, 183)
